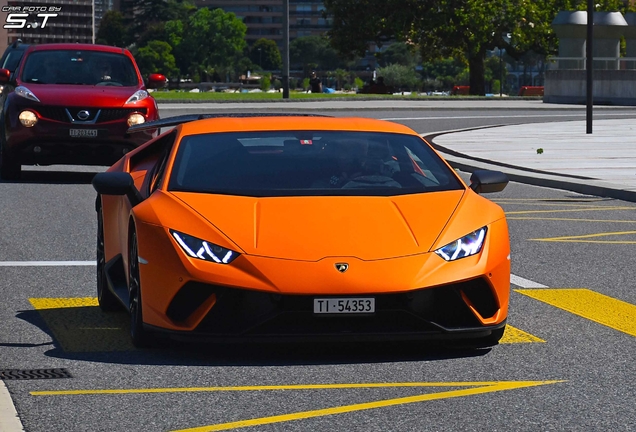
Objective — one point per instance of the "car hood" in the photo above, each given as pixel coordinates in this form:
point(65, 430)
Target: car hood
point(82, 95)
point(312, 228)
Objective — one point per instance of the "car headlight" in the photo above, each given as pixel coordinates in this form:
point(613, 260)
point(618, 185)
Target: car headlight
point(464, 247)
point(139, 95)
point(24, 92)
point(135, 119)
point(28, 118)
point(197, 248)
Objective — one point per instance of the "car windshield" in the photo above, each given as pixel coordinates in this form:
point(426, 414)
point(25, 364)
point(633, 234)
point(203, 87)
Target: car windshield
point(303, 163)
point(79, 67)
point(12, 60)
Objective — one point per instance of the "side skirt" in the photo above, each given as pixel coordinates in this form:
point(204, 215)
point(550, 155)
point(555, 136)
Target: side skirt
point(116, 279)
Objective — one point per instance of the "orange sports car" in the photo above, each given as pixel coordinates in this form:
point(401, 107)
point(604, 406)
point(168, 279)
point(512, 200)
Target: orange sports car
point(299, 227)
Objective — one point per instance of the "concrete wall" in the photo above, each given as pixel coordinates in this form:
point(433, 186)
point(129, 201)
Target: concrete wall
point(611, 87)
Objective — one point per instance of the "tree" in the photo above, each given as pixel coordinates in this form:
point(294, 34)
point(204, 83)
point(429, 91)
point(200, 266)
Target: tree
point(446, 28)
point(396, 75)
point(398, 53)
point(266, 54)
point(112, 30)
point(156, 57)
point(146, 13)
point(313, 52)
point(223, 35)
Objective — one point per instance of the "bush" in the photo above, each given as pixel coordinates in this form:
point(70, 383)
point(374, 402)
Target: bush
point(277, 84)
point(347, 87)
point(358, 83)
point(265, 83)
point(306, 84)
point(401, 76)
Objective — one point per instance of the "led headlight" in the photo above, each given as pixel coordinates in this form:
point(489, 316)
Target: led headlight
point(137, 96)
point(26, 93)
point(197, 248)
point(135, 119)
point(28, 118)
point(464, 247)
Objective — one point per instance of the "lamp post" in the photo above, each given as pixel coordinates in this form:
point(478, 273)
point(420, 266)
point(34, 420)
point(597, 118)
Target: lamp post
point(260, 58)
point(506, 39)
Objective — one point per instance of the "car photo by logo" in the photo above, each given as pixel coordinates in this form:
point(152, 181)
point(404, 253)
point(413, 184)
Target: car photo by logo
point(20, 17)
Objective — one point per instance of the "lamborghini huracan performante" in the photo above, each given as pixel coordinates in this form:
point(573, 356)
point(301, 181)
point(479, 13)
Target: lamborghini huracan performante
point(299, 228)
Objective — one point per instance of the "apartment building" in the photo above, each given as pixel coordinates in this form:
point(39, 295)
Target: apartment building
point(74, 22)
point(264, 18)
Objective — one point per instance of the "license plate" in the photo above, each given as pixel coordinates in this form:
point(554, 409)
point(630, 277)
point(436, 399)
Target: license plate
point(83, 133)
point(344, 305)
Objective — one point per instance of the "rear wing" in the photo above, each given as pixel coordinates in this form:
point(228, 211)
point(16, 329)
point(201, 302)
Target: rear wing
point(186, 118)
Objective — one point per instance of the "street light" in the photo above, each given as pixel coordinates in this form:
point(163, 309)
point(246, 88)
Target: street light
point(506, 39)
point(260, 58)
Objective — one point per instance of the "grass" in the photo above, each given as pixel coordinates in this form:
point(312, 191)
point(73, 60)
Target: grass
point(173, 95)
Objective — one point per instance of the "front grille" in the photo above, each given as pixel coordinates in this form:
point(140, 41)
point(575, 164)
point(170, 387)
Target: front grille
point(106, 114)
point(250, 313)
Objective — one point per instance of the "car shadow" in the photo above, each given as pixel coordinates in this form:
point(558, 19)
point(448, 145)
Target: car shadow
point(87, 334)
point(53, 177)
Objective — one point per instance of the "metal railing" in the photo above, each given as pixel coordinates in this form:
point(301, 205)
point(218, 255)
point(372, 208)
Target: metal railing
point(600, 63)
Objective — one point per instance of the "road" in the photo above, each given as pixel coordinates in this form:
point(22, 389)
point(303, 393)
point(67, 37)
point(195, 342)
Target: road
point(566, 362)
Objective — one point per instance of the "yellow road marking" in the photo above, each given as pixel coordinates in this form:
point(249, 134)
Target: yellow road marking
point(58, 303)
point(569, 210)
point(570, 219)
point(514, 335)
point(488, 388)
point(608, 311)
point(582, 238)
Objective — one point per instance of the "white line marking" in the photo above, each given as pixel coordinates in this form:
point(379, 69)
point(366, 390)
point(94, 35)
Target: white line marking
point(500, 117)
point(525, 283)
point(46, 263)
point(9, 420)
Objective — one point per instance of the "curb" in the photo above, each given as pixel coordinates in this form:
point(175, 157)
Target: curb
point(586, 186)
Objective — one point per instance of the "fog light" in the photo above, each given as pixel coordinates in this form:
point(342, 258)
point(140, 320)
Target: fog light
point(28, 118)
point(37, 149)
point(135, 119)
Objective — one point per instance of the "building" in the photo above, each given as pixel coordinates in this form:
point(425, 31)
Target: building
point(264, 18)
point(74, 22)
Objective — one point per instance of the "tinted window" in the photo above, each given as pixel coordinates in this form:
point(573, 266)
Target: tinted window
point(12, 60)
point(79, 67)
point(309, 163)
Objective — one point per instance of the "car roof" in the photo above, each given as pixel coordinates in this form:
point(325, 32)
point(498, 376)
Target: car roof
point(242, 124)
point(77, 46)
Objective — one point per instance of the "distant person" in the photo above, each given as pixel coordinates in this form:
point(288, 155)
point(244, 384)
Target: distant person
point(315, 83)
point(102, 72)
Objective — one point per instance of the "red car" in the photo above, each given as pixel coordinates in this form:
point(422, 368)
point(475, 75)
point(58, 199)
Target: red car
point(72, 104)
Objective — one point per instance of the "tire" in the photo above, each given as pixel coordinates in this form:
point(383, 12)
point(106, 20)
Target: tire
point(140, 337)
point(106, 299)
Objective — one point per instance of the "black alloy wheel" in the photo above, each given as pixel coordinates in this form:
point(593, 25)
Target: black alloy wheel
point(140, 337)
point(106, 299)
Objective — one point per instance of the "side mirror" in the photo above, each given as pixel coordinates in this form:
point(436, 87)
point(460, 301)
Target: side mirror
point(5, 75)
point(156, 80)
point(117, 183)
point(487, 181)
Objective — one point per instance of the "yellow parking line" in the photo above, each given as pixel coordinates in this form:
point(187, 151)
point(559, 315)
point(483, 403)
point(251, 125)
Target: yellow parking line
point(493, 387)
point(57, 303)
point(514, 335)
point(570, 219)
point(583, 238)
point(588, 209)
point(608, 311)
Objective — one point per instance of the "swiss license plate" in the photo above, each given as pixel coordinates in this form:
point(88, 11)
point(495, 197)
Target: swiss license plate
point(344, 305)
point(83, 133)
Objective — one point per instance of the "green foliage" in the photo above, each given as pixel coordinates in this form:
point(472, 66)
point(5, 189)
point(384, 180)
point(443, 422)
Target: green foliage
point(313, 52)
point(444, 74)
point(398, 53)
point(112, 30)
point(358, 82)
point(458, 28)
point(223, 33)
point(266, 54)
point(399, 76)
point(496, 86)
point(156, 57)
point(265, 83)
point(305, 84)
